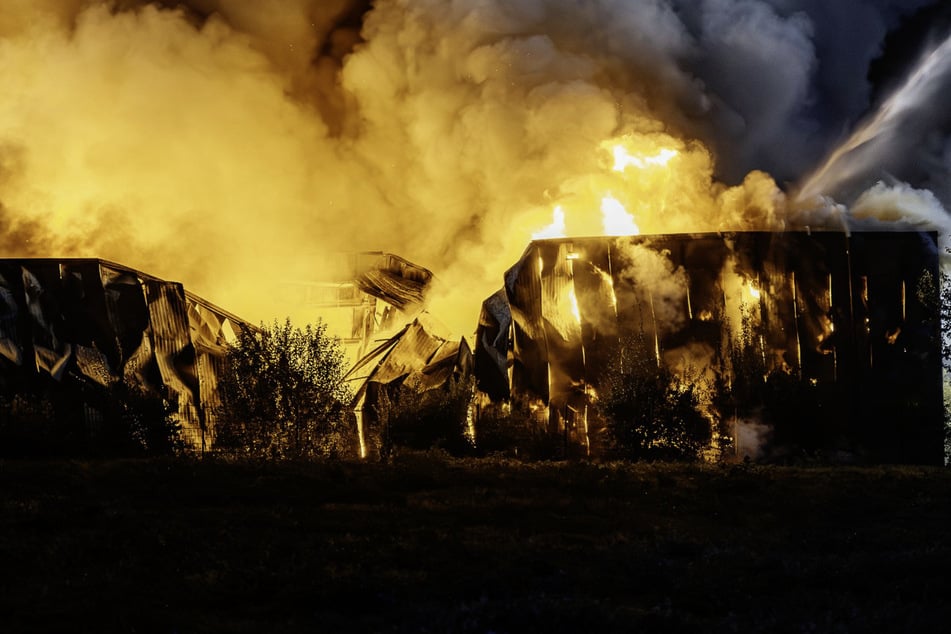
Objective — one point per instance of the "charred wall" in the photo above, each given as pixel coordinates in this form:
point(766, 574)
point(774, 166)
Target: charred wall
point(72, 331)
point(850, 321)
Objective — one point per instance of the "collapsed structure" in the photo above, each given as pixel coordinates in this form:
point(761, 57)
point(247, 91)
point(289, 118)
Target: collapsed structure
point(853, 318)
point(416, 357)
point(72, 329)
point(393, 341)
point(365, 296)
point(851, 321)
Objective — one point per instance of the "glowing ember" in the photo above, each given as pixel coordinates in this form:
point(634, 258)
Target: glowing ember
point(616, 220)
point(623, 159)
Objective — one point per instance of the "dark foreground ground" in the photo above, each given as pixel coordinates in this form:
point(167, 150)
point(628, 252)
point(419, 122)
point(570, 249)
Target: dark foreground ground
point(429, 545)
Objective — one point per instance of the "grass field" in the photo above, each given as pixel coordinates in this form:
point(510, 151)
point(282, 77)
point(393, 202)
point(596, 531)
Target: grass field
point(429, 544)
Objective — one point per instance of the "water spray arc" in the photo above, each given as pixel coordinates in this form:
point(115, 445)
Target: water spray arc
point(864, 147)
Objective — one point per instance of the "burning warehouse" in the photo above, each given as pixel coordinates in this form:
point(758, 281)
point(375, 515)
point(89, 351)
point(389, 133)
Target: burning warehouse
point(846, 324)
point(208, 135)
point(72, 330)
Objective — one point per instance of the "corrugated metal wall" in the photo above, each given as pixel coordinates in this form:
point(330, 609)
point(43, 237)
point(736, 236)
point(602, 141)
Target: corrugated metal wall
point(854, 312)
point(75, 322)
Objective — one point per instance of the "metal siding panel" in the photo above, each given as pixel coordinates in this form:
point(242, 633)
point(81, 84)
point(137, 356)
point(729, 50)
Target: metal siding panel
point(41, 289)
point(174, 352)
point(411, 352)
point(812, 298)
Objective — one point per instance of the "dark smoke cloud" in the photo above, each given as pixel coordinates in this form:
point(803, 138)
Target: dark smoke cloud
point(788, 78)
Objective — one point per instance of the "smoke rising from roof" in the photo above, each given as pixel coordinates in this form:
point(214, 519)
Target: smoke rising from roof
point(231, 143)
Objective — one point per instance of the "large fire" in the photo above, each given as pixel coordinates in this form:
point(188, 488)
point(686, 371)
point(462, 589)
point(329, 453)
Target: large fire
point(648, 183)
point(183, 140)
point(232, 149)
point(616, 220)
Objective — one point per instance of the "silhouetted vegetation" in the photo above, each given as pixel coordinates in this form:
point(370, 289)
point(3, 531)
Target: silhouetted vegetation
point(283, 395)
point(82, 419)
point(651, 413)
point(138, 423)
point(426, 419)
point(513, 429)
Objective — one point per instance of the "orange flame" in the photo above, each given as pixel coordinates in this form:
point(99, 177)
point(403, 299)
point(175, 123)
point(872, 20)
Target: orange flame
point(573, 301)
point(641, 170)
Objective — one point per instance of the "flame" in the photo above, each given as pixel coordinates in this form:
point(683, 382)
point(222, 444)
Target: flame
point(557, 227)
point(615, 218)
point(755, 293)
point(623, 159)
point(654, 183)
point(609, 281)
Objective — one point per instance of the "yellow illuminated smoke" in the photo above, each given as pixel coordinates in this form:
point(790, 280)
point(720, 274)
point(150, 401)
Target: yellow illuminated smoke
point(616, 220)
point(666, 180)
point(238, 151)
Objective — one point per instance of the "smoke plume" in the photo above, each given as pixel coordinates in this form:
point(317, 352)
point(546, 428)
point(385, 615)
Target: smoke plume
point(231, 144)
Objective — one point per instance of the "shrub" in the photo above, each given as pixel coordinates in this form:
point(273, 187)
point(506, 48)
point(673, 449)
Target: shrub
point(86, 419)
point(512, 428)
point(283, 394)
point(426, 419)
point(650, 413)
point(137, 423)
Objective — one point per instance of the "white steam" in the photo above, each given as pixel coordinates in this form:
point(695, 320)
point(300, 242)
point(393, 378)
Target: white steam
point(661, 288)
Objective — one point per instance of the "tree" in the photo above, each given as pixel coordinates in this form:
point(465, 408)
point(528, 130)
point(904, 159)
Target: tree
point(283, 393)
point(649, 412)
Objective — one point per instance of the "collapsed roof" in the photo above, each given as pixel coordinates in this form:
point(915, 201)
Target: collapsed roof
point(416, 357)
point(393, 279)
point(73, 322)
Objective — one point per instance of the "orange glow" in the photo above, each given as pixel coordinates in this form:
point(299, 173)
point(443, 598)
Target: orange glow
point(107, 165)
point(610, 283)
